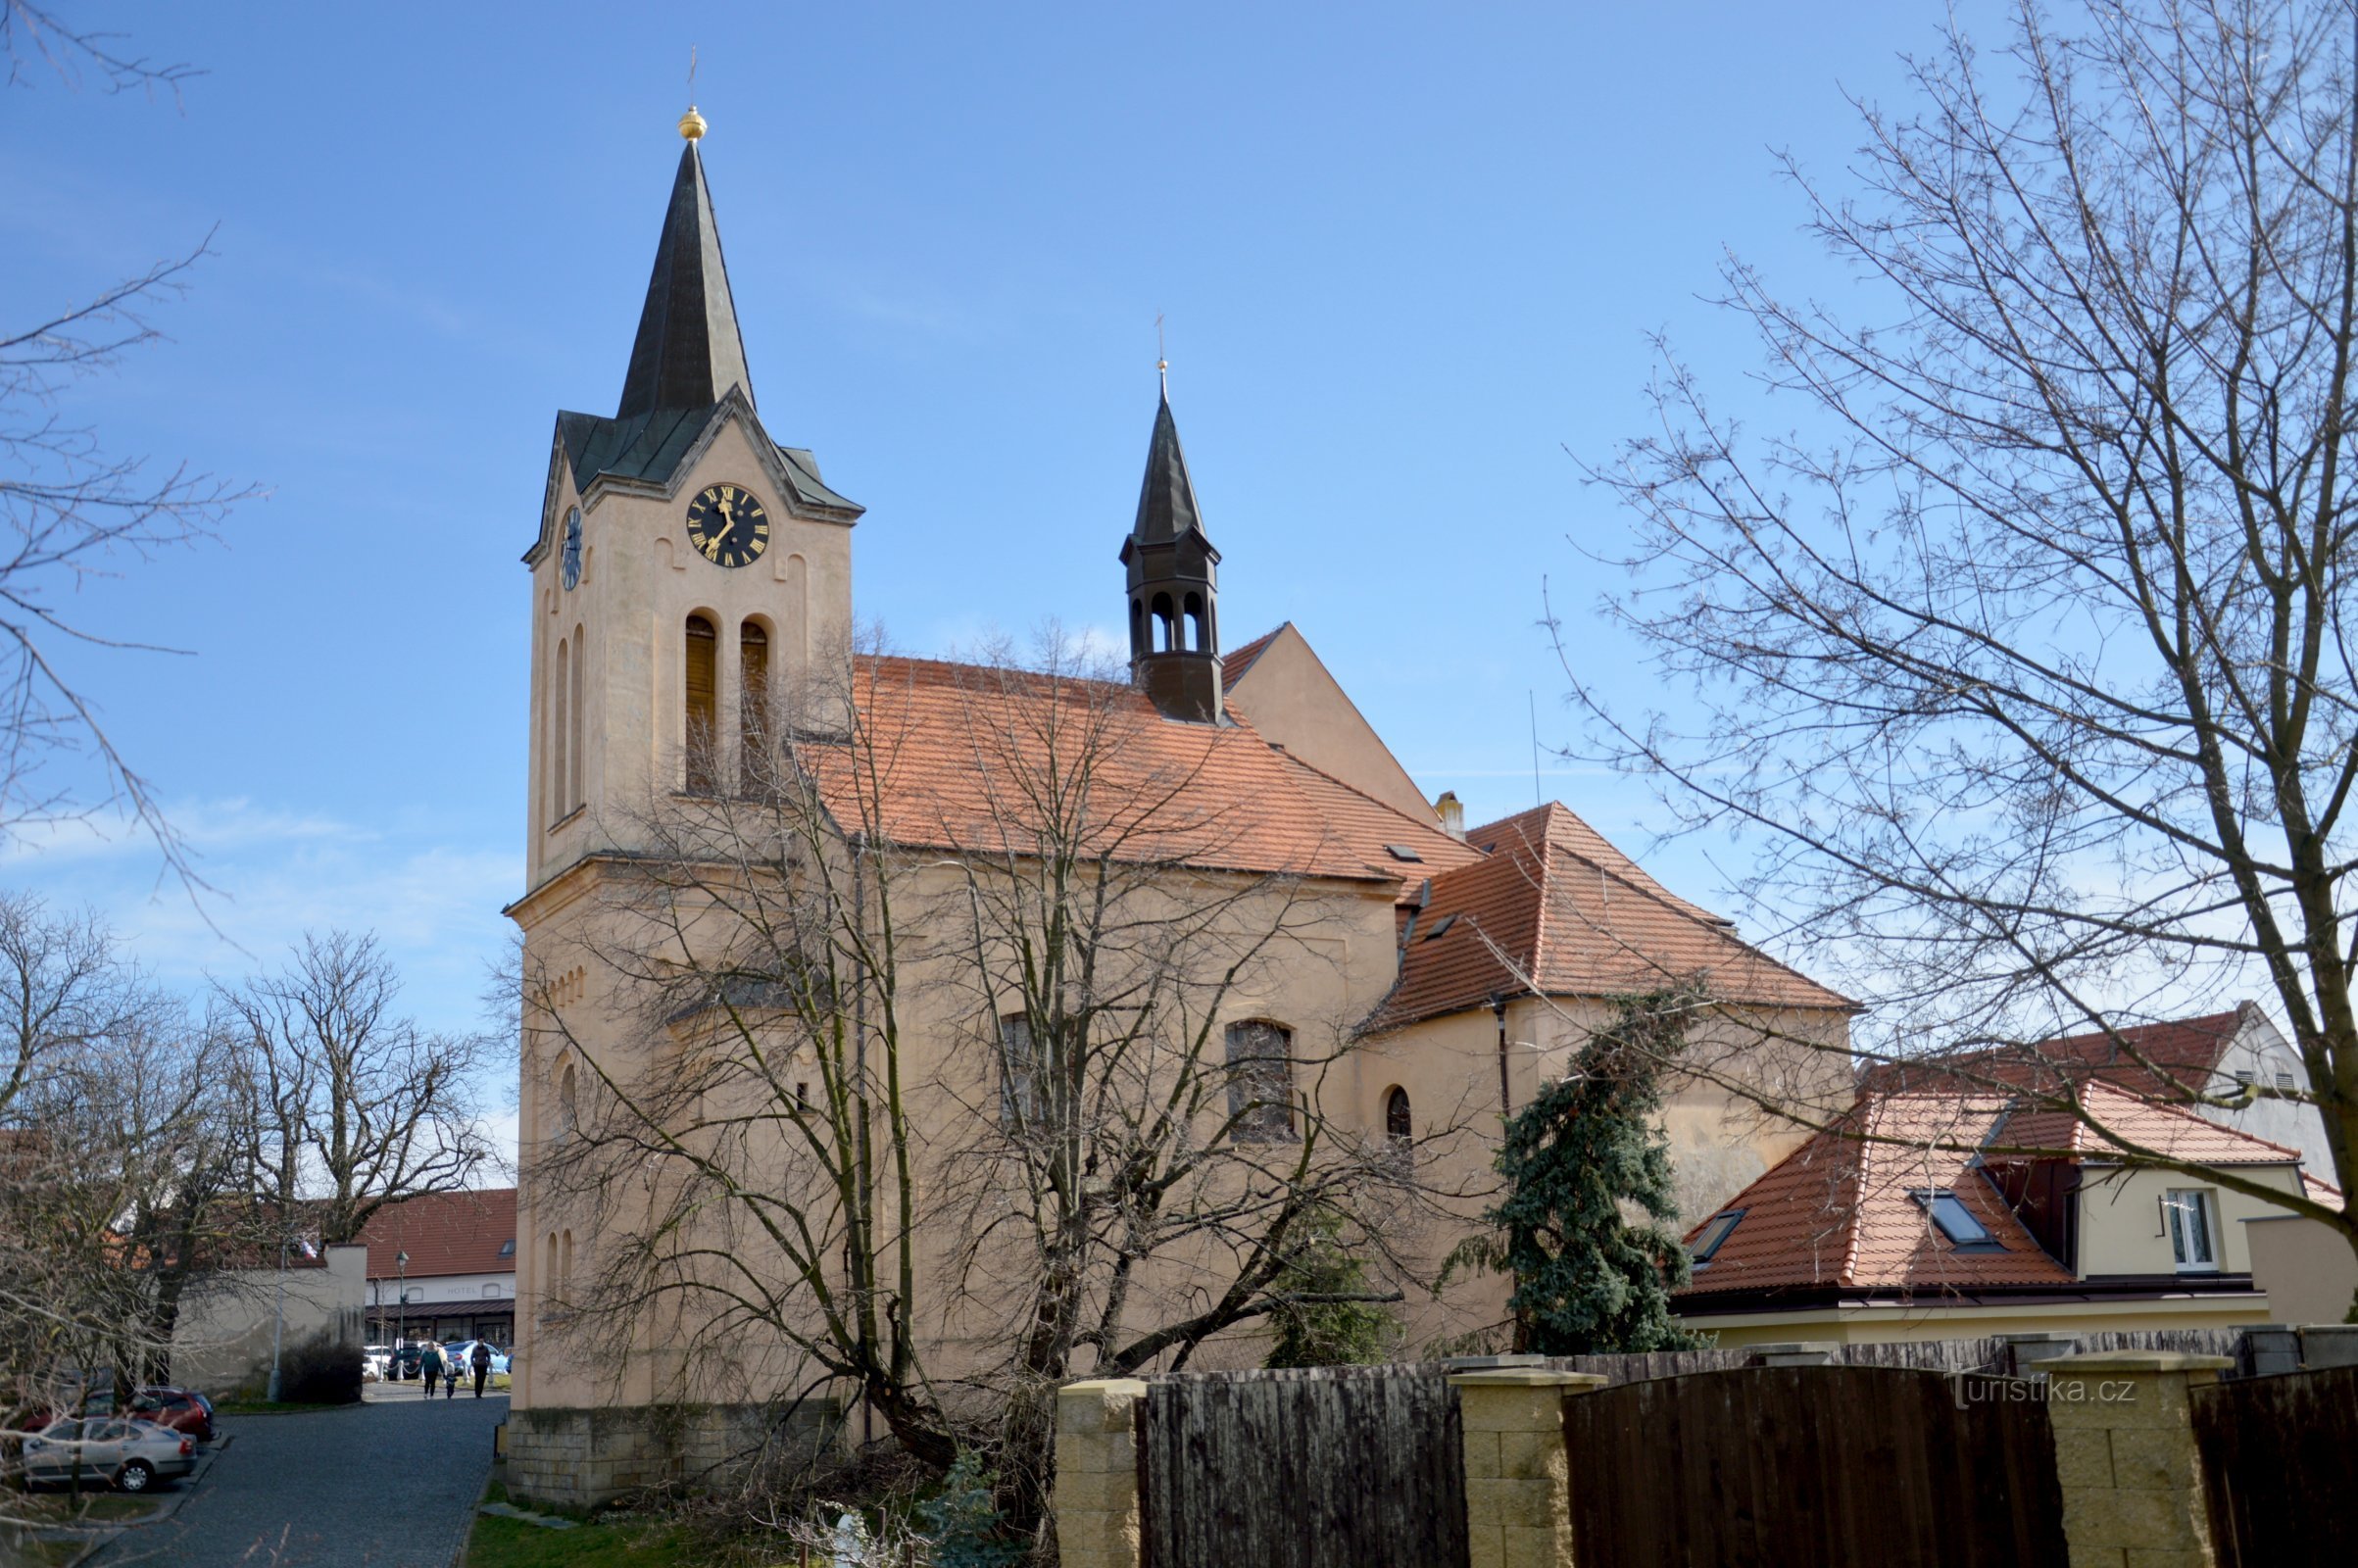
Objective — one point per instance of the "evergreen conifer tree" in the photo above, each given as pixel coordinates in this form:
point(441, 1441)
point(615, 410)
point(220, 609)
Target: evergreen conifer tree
point(1577, 1160)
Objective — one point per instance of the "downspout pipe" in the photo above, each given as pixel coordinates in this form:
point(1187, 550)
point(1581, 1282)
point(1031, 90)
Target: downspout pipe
point(1498, 1006)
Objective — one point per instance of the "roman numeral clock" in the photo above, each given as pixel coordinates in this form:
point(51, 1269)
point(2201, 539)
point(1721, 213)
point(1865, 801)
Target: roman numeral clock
point(727, 525)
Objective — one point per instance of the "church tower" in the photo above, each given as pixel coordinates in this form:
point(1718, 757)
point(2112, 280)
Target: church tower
point(688, 570)
point(1174, 611)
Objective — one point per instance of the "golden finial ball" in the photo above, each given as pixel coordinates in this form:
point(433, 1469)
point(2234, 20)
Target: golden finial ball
point(691, 124)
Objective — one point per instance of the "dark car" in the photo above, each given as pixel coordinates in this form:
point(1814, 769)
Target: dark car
point(405, 1361)
point(182, 1410)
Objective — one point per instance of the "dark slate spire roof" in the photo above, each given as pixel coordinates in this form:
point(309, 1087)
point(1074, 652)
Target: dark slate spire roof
point(688, 351)
point(1166, 502)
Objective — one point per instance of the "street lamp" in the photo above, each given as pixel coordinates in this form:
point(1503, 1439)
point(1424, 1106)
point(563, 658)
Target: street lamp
point(401, 1302)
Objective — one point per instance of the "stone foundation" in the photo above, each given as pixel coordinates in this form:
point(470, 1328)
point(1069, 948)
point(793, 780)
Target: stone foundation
point(580, 1458)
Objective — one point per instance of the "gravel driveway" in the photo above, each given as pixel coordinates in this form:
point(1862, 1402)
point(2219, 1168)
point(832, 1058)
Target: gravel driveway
point(389, 1483)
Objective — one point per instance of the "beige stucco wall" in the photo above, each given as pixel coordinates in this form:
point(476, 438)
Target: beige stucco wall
point(1293, 700)
point(2122, 1229)
point(222, 1344)
point(2306, 1267)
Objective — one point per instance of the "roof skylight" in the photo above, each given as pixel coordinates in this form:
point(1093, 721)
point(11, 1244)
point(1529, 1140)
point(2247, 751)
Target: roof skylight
point(1713, 1235)
point(1954, 1219)
point(1445, 922)
point(1401, 852)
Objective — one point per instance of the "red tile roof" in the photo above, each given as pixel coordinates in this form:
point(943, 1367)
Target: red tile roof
point(1372, 830)
point(2165, 1130)
point(2183, 1052)
point(1576, 915)
point(982, 759)
point(1838, 1211)
point(444, 1232)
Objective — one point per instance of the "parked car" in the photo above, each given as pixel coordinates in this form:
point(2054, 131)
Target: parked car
point(182, 1410)
point(464, 1351)
point(130, 1455)
point(375, 1361)
point(405, 1361)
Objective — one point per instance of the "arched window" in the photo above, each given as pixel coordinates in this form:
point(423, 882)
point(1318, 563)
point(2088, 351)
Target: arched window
point(703, 699)
point(1260, 1082)
point(1399, 1125)
point(575, 770)
point(1166, 624)
point(753, 707)
point(1138, 628)
point(1194, 610)
point(561, 733)
point(564, 1269)
point(568, 1109)
point(548, 1267)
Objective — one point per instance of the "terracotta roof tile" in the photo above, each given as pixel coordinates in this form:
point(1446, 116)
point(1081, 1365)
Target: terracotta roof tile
point(961, 753)
point(444, 1232)
point(1839, 1211)
point(1580, 918)
point(2185, 1053)
point(2166, 1130)
point(1372, 830)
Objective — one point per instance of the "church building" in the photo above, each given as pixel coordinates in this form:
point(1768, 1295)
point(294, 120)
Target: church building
point(1388, 978)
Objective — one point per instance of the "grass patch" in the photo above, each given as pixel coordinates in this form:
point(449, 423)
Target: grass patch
point(617, 1544)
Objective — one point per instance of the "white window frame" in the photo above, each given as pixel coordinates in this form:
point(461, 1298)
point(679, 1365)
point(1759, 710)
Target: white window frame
point(2187, 1215)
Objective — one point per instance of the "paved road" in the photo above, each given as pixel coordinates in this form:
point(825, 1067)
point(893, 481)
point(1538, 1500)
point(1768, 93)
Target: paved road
point(388, 1484)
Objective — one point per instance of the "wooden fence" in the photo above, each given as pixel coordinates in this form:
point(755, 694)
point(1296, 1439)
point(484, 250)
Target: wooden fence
point(1798, 1468)
point(2279, 1465)
point(1328, 1467)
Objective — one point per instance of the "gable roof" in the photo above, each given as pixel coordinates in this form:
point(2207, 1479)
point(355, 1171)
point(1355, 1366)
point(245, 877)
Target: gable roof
point(444, 1232)
point(1837, 1212)
point(1579, 918)
point(957, 750)
point(2184, 1056)
point(1237, 662)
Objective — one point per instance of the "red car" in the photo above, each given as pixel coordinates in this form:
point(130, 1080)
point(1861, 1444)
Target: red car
point(182, 1410)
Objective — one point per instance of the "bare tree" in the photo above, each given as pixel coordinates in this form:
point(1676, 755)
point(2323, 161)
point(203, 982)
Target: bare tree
point(925, 1091)
point(116, 1192)
point(345, 1106)
point(70, 509)
point(2025, 664)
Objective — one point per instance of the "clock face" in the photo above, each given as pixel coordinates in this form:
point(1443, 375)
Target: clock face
point(573, 548)
point(727, 525)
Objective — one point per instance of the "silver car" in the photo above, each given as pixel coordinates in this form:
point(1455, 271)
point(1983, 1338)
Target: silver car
point(132, 1455)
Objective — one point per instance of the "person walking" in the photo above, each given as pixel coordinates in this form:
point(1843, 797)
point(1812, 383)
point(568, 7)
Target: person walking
point(450, 1373)
point(481, 1360)
point(429, 1365)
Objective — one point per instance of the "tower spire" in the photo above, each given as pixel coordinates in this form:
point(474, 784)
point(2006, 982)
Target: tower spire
point(688, 351)
point(1174, 589)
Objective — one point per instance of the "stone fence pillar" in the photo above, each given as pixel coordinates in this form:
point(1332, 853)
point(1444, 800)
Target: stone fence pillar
point(1097, 1473)
point(1518, 1491)
point(2125, 1453)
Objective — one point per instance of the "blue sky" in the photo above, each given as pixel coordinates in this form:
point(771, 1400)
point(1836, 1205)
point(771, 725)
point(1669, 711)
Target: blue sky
point(1409, 254)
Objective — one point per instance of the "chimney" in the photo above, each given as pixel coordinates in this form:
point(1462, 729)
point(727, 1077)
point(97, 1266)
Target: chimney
point(1452, 815)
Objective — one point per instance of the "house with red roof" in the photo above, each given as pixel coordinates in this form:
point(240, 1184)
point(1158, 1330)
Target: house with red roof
point(442, 1266)
point(1949, 1212)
